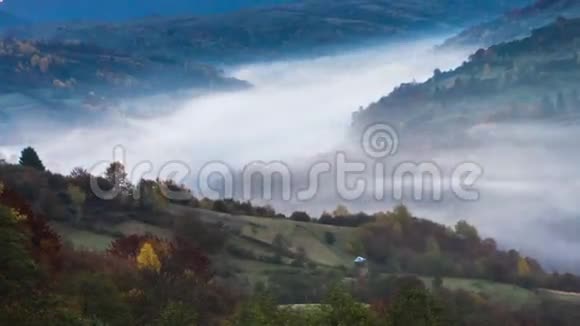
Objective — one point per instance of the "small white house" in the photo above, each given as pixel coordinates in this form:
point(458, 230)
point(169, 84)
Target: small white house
point(360, 260)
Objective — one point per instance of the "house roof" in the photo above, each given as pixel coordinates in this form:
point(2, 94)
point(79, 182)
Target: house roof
point(360, 259)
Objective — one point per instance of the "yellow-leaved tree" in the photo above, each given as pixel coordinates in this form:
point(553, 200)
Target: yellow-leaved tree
point(523, 267)
point(15, 215)
point(148, 259)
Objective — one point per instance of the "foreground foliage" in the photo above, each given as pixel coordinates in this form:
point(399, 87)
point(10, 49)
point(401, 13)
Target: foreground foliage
point(143, 279)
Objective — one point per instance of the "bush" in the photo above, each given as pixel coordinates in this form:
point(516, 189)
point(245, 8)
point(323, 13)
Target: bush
point(330, 238)
point(177, 314)
point(300, 217)
point(415, 306)
point(101, 299)
point(276, 259)
point(241, 252)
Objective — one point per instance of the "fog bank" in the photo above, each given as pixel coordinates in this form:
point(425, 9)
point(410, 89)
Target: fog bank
point(296, 109)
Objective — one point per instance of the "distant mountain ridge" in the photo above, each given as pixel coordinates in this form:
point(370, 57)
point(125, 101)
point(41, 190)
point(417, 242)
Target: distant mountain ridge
point(517, 23)
point(262, 33)
point(114, 10)
point(542, 5)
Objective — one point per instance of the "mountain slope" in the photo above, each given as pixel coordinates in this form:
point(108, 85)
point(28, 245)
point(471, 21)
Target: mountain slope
point(536, 78)
point(54, 71)
point(395, 242)
point(274, 31)
point(518, 23)
point(109, 10)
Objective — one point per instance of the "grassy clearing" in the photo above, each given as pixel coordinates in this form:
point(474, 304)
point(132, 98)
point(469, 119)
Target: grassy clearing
point(505, 294)
point(82, 239)
point(256, 271)
point(309, 236)
point(100, 241)
point(570, 297)
point(134, 227)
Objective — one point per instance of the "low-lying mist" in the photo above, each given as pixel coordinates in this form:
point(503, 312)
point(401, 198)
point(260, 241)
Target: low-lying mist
point(301, 109)
point(297, 108)
point(528, 191)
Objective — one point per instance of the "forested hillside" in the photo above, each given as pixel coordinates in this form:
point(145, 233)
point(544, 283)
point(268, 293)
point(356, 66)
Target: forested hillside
point(534, 79)
point(82, 67)
point(72, 258)
point(93, 77)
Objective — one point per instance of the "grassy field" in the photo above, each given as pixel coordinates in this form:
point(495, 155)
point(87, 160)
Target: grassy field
point(560, 296)
point(505, 294)
point(252, 233)
point(100, 241)
point(82, 239)
point(134, 227)
point(309, 236)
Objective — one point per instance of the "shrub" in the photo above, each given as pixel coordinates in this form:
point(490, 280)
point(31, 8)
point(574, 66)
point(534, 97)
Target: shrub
point(330, 238)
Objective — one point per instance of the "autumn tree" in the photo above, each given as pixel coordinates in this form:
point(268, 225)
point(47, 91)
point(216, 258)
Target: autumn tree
point(523, 267)
point(184, 258)
point(150, 196)
point(18, 270)
point(21, 275)
point(148, 259)
point(42, 241)
point(30, 158)
point(128, 247)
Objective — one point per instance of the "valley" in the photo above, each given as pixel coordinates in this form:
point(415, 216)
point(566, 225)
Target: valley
point(296, 163)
